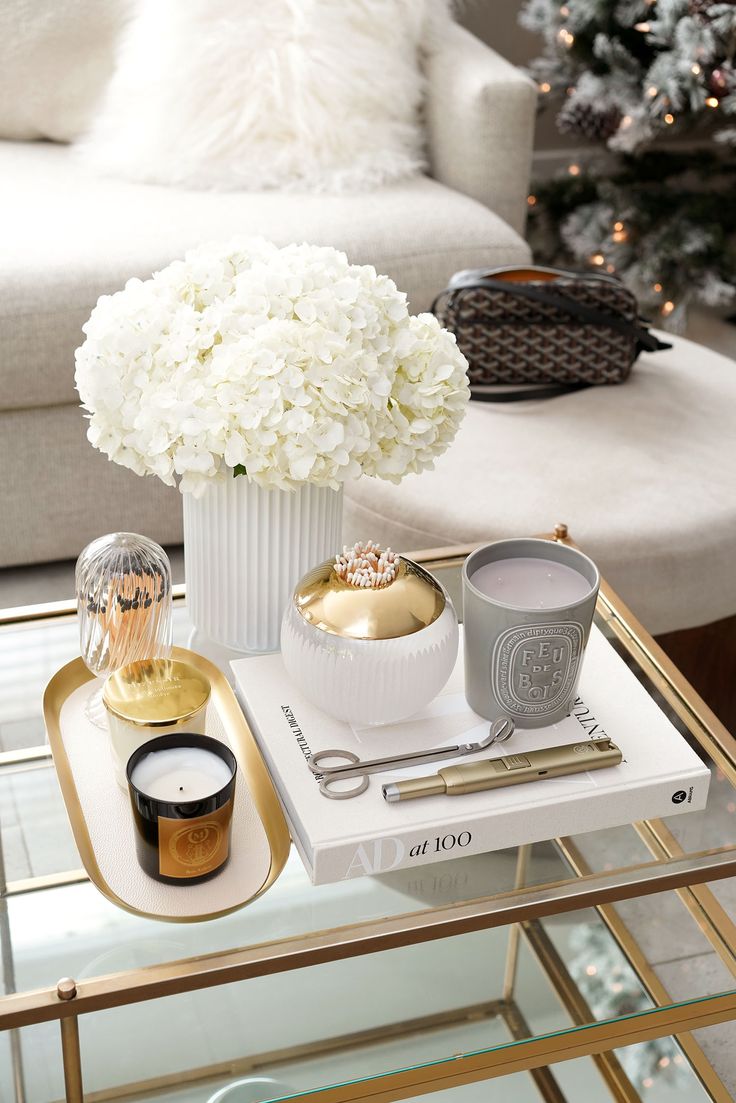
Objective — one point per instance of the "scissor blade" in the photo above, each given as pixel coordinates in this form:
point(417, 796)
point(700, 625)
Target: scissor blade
point(401, 761)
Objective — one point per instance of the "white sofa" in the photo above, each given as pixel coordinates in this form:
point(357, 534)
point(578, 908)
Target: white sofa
point(68, 237)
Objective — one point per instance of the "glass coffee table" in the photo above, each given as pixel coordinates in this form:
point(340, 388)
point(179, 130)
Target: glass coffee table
point(576, 969)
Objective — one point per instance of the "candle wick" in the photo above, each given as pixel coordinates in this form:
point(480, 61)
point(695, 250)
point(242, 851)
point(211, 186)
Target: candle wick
point(181, 788)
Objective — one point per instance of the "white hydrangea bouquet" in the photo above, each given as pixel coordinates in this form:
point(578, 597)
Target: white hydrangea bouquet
point(287, 365)
point(290, 367)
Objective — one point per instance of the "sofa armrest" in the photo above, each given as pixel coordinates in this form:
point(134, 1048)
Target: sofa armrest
point(480, 118)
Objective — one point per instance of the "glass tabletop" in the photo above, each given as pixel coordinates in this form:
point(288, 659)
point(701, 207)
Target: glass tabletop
point(37, 840)
point(473, 992)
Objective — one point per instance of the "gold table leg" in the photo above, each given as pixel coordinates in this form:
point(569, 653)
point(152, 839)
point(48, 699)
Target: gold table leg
point(512, 952)
point(71, 1054)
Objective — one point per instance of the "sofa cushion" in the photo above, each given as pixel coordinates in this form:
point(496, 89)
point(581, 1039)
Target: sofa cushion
point(643, 474)
point(73, 237)
point(55, 61)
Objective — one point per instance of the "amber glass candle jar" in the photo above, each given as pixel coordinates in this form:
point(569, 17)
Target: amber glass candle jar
point(182, 789)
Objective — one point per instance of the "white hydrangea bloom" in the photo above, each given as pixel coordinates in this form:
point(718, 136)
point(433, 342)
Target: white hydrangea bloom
point(292, 363)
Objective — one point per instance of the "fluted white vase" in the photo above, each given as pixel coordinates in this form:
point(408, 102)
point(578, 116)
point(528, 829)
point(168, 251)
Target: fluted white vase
point(245, 548)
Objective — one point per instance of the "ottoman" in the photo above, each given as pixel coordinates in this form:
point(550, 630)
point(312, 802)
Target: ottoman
point(644, 474)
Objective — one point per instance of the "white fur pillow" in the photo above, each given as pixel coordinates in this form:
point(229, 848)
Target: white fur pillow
point(254, 94)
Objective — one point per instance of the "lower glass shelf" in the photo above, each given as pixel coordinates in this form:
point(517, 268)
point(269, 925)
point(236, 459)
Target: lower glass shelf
point(582, 1080)
point(420, 1007)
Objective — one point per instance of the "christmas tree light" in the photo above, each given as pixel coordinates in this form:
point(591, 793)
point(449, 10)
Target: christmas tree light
point(624, 75)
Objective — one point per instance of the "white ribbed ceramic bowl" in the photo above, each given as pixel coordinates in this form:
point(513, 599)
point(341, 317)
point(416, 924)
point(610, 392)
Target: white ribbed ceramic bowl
point(367, 681)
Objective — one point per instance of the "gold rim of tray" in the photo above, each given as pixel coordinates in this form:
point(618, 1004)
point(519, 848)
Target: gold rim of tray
point(243, 745)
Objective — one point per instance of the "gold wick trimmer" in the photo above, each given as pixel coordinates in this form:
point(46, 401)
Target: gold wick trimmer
point(512, 769)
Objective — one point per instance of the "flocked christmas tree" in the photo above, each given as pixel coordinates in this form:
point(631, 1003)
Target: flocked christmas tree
point(629, 74)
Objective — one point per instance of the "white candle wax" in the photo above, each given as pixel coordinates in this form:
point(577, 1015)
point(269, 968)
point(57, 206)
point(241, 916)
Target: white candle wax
point(180, 774)
point(528, 583)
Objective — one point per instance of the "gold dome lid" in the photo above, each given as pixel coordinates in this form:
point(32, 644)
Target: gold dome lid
point(413, 600)
point(156, 693)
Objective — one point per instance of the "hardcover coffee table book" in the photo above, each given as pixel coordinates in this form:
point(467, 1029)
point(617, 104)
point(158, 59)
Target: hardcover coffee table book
point(660, 775)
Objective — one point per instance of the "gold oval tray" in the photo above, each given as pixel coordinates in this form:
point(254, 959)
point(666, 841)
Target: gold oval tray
point(100, 816)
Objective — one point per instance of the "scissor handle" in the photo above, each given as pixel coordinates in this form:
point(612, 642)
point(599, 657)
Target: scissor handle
point(327, 786)
point(349, 758)
point(333, 774)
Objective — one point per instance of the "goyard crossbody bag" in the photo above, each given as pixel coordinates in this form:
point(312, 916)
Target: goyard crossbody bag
point(533, 332)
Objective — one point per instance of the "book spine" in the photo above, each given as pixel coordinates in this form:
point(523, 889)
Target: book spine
point(454, 837)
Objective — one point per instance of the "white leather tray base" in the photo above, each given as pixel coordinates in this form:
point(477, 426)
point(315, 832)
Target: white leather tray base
point(106, 814)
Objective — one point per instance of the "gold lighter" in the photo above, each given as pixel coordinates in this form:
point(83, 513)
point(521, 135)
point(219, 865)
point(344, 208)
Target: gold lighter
point(512, 769)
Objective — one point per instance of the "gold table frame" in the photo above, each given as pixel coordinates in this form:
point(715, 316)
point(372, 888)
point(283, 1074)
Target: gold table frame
point(522, 908)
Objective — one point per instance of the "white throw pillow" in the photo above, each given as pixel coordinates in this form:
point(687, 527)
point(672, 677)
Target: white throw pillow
point(254, 94)
point(55, 62)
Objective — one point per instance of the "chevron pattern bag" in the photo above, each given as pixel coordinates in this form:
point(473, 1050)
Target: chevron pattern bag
point(535, 332)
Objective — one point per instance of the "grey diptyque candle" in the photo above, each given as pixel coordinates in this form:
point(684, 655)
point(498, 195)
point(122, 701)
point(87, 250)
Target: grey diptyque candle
point(528, 607)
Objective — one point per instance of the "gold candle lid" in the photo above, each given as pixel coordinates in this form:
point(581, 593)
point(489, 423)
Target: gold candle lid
point(412, 600)
point(156, 693)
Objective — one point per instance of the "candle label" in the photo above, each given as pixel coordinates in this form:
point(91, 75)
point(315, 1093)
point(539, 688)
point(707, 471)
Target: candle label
point(533, 668)
point(191, 848)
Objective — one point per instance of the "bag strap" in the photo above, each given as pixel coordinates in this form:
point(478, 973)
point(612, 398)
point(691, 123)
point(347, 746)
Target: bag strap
point(645, 341)
point(550, 391)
